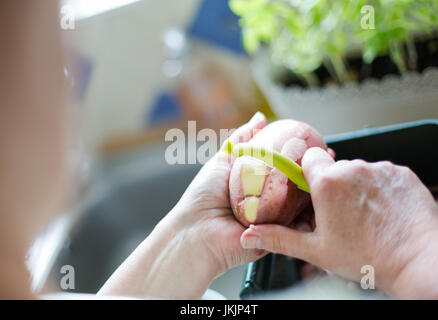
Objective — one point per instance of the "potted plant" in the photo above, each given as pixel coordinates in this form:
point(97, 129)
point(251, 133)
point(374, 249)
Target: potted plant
point(341, 65)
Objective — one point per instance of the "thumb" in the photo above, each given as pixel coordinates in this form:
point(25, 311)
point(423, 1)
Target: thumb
point(280, 239)
point(315, 161)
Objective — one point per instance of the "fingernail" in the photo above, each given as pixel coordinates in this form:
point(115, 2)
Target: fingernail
point(258, 116)
point(252, 242)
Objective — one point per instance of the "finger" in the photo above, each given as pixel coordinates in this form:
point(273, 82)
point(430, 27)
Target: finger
point(280, 239)
point(303, 226)
point(314, 163)
point(305, 221)
point(294, 149)
point(308, 271)
point(331, 152)
point(240, 135)
point(248, 130)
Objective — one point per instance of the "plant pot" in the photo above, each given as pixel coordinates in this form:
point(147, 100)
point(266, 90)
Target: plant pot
point(336, 109)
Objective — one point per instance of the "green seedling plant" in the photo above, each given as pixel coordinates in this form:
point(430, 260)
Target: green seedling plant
point(303, 35)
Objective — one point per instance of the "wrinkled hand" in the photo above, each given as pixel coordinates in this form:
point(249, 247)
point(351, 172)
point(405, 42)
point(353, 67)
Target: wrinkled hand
point(205, 206)
point(197, 241)
point(376, 214)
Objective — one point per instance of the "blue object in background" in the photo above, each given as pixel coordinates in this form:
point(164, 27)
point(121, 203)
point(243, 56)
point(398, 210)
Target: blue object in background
point(166, 107)
point(216, 24)
point(83, 67)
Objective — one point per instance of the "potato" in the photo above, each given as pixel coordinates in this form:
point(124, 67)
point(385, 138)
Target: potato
point(260, 194)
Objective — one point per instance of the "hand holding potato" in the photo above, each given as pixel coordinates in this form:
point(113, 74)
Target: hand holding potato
point(376, 214)
point(197, 241)
point(261, 194)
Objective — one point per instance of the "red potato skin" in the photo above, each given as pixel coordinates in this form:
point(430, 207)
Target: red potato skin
point(280, 201)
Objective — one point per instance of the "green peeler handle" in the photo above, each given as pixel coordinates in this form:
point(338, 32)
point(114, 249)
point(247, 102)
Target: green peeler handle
point(273, 158)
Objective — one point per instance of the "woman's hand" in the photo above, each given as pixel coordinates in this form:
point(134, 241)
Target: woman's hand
point(197, 241)
point(376, 214)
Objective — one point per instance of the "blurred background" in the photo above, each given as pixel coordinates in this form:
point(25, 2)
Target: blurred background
point(140, 67)
point(151, 65)
point(137, 69)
